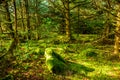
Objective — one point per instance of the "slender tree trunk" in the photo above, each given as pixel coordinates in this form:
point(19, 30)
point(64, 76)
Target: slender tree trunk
point(23, 19)
point(106, 29)
point(22, 12)
point(27, 18)
point(15, 23)
point(36, 13)
point(67, 19)
point(107, 23)
point(14, 3)
point(37, 19)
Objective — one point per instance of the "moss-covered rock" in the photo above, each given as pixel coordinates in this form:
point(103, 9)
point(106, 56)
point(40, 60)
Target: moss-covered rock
point(54, 61)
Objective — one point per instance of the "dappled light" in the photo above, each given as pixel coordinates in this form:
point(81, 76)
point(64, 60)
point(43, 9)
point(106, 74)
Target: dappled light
point(59, 40)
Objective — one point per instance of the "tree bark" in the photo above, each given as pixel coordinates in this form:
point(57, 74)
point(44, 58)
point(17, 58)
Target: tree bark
point(15, 23)
point(67, 19)
point(117, 35)
point(22, 13)
point(27, 18)
point(107, 23)
point(14, 3)
point(37, 19)
point(5, 5)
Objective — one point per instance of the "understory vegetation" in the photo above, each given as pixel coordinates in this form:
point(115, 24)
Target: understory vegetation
point(86, 61)
point(59, 39)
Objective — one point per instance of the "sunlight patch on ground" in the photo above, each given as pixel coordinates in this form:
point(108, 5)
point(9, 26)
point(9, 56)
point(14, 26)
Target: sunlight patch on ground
point(101, 69)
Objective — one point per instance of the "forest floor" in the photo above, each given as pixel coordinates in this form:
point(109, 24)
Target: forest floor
point(91, 61)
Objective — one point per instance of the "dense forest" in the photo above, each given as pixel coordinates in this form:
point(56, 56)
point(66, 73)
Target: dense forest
point(59, 39)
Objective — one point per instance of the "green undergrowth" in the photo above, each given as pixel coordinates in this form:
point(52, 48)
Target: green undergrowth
point(85, 61)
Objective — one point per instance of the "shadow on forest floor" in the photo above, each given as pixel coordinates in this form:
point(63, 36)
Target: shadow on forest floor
point(80, 69)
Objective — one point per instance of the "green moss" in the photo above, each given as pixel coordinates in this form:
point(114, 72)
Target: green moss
point(89, 53)
point(54, 61)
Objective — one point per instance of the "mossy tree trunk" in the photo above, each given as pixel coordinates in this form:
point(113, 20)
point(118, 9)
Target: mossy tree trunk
point(22, 11)
point(107, 23)
point(117, 35)
point(8, 19)
point(27, 18)
point(23, 18)
point(67, 19)
point(37, 18)
point(15, 23)
point(9, 25)
point(106, 30)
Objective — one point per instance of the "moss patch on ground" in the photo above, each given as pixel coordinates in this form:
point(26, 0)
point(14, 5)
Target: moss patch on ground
point(86, 61)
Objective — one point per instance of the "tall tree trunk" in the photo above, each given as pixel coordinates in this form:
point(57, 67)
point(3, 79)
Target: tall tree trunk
point(15, 23)
point(36, 12)
point(14, 3)
point(106, 28)
point(27, 18)
point(9, 24)
point(14, 42)
point(67, 19)
point(23, 19)
point(37, 19)
point(22, 12)
point(117, 35)
point(107, 23)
